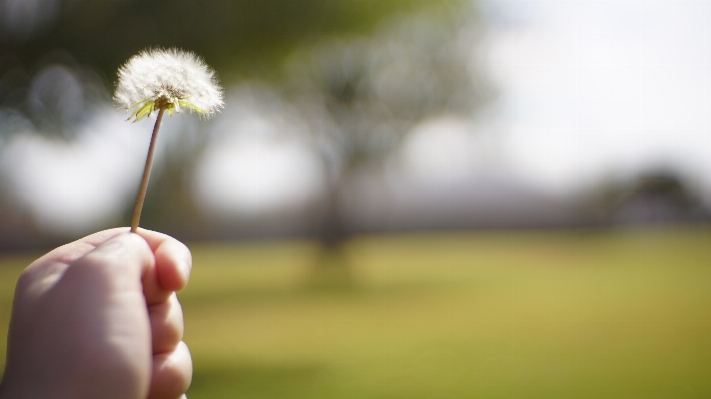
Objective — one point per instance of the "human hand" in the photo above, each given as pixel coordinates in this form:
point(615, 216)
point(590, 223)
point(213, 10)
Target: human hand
point(99, 318)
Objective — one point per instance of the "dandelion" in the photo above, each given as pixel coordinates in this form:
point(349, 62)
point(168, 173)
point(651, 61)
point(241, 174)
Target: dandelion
point(164, 80)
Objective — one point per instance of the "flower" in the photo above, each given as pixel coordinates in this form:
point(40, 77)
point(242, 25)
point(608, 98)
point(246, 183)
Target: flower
point(169, 79)
point(164, 80)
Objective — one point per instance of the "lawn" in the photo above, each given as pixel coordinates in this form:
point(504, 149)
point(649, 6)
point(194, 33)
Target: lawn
point(609, 314)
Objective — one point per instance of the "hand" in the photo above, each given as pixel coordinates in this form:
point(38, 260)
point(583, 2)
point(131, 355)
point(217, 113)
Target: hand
point(99, 318)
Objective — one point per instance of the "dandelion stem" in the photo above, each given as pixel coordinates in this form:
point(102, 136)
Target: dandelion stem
point(146, 174)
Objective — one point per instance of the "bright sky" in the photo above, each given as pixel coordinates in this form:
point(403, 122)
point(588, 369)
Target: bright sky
point(74, 187)
point(603, 88)
point(258, 161)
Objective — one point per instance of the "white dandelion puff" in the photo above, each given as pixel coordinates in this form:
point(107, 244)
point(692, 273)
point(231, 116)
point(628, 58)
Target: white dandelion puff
point(169, 79)
point(164, 80)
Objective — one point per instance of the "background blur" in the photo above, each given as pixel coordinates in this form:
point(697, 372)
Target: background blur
point(403, 198)
point(359, 116)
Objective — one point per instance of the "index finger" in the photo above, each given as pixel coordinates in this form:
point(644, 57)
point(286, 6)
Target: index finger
point(173, 259)
point(49, 268)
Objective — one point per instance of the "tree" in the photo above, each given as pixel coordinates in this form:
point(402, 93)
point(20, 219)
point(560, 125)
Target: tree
point(364, 94)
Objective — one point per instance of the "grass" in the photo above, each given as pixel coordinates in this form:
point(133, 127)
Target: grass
point(617, 314)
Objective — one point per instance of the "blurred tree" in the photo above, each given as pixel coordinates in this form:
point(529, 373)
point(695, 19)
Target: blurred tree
point(364, 94)
point(656, 197)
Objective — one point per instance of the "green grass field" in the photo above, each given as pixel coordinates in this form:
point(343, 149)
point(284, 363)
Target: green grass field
point(616, 314)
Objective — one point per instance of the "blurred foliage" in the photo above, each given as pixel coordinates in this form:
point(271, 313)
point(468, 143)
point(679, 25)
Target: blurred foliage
point(54, 62)
point(236, 37)
point(365, 93)
point(362, 95)
point(656, 197)
point(612, 314)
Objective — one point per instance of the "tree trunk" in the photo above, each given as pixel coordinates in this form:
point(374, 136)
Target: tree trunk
point(332, 267)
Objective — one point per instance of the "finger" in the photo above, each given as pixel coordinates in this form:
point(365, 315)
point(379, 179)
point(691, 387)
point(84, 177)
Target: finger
point(173, 260)
point(100, 298)
point(172, 373)
point(68, 253)
point(122, 260)
point(166, 325)
point(46, 270)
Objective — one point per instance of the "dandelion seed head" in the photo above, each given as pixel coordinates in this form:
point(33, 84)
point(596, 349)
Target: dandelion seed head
point(169, 79)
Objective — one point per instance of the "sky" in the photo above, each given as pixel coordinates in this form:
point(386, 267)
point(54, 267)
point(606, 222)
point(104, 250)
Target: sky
point(594, 90)
point(72, 187)
point(587, 92)
point(259, 146)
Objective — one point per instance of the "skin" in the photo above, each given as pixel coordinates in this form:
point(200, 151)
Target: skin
point(99, 318)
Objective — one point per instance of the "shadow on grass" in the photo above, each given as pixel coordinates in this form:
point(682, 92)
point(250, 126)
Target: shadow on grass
point(332, 271)
point(252, 380)
point(311, 291)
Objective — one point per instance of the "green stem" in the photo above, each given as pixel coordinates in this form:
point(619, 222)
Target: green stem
point(146, 175)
